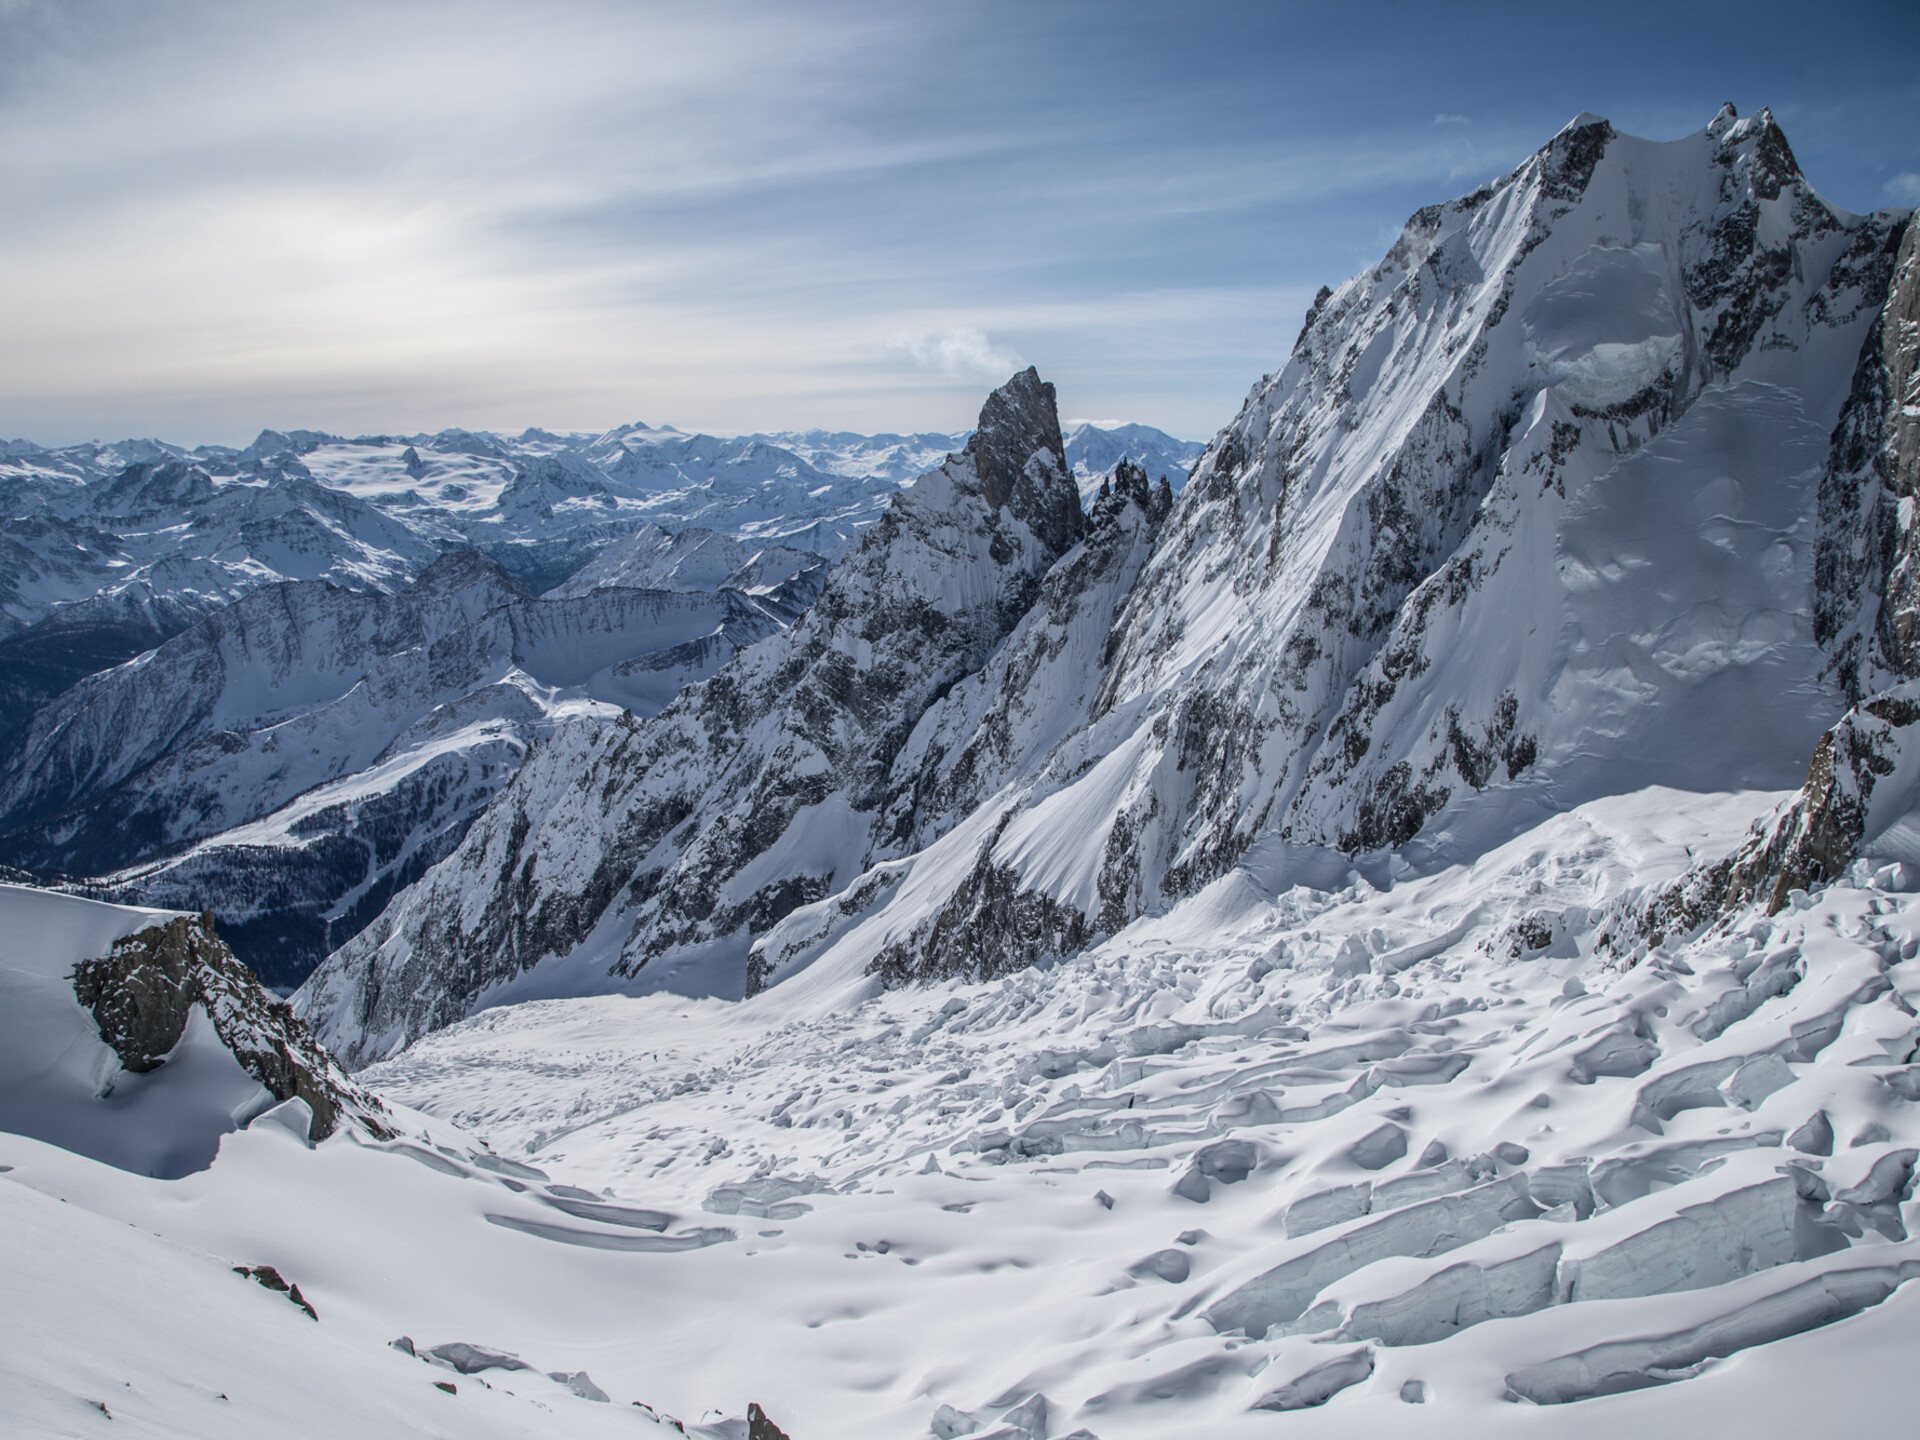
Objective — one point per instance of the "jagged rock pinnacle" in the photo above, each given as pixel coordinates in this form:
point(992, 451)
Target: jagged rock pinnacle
point(1019, 425)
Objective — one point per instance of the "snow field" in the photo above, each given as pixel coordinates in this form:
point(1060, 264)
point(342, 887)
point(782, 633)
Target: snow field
point(1461, 1141)
point(1253, 1154)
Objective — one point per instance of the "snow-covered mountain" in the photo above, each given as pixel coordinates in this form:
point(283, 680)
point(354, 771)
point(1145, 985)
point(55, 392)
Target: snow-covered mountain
point(102, 563)
point(114, 550)
point(1529, 517)
point(1093, 452)
point(291, 760)
point(110, 549)
point(780, 763)
point(107, 550)
point(701, 560)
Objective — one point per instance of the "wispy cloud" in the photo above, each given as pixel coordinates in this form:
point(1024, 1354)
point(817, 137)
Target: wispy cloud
point(1448, 118)
point(1903, 189)
point(961, 352)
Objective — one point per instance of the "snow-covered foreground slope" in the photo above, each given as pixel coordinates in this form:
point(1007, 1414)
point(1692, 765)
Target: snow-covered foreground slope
point(1461, 1157)
point(111, 1328)
point(1450, 1139)
point(142, 1323)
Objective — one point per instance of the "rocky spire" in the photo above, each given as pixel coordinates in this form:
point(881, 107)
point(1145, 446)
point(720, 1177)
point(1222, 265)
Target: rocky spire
point(1020, 457)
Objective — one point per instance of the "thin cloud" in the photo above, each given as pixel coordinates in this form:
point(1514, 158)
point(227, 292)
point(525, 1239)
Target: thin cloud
point(1903, 189)
point(715, 212)
point(961, 352)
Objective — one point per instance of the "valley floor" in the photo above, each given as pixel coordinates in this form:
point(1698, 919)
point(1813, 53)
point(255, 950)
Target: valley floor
point(1460, 1157)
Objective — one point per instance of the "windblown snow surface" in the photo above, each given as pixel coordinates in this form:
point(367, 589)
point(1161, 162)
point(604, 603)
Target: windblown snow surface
point(1431, 1156)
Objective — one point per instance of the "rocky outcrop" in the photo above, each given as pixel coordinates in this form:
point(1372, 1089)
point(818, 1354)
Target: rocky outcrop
point(1871, 756)
point(269, 1278)
point(142, 993)
point(1867, 567)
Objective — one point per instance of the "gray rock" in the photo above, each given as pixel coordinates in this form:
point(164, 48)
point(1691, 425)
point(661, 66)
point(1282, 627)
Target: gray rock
point(143, 991)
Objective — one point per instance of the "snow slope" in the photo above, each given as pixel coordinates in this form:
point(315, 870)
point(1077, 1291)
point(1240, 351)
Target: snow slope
point(1422, 1143)
point(1442, 1158)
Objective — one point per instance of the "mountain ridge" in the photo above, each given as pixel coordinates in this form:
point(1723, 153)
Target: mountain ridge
point(1282, 685)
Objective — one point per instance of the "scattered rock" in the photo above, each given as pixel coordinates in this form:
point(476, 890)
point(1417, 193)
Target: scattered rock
point(273, 1280)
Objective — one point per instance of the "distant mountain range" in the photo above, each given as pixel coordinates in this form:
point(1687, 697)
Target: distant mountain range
point(171, 618)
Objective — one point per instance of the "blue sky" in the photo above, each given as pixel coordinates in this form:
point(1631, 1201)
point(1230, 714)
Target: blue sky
point(374, 217)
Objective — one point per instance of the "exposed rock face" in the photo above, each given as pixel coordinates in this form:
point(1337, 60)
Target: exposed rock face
point(759, 1427)
point(1861, 780)
point(143, 992)
point(1866, 613)
point(1867, 577)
